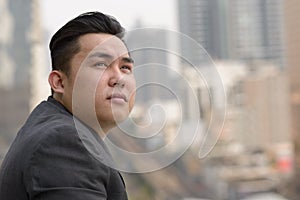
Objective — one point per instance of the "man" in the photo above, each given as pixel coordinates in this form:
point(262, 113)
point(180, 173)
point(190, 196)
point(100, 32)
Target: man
point(93, 88)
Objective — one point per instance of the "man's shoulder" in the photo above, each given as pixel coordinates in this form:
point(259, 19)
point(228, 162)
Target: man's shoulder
point(51, 129)
point(50, 111)
point(45, 123)
point(49, 117)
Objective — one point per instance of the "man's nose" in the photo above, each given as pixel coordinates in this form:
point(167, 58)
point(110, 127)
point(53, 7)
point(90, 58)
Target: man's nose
point(116, 77)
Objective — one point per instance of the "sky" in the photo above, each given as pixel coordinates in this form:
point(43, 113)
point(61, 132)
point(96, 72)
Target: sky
point(154, 13)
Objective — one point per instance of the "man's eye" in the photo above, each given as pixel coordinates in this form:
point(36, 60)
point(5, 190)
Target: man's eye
point(125, 67)
point(100, 64)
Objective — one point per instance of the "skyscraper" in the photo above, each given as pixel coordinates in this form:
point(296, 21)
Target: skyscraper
point(149, 50)
point(243, 30)
point(256, 30)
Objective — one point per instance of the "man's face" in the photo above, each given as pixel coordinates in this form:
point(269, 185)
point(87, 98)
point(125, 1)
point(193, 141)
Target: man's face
point(101, 86)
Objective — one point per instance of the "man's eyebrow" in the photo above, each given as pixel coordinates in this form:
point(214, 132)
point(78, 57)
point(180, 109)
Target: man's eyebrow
point(106, 55)
point(101, 55)
point(127, 59)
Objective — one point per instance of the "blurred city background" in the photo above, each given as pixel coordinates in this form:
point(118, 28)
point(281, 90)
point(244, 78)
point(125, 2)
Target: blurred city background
point(255, 48)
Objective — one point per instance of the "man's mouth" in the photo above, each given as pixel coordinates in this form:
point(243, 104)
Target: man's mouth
point(118, 97)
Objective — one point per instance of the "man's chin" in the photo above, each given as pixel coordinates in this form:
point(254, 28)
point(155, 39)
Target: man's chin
point(120, 118)
point(113, 119)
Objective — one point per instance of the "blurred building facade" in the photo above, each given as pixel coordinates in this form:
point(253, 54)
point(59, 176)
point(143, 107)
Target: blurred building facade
point(293, 67)
point(157, 81)
point(244, 30)
point(254, 152)
point(265, 107)
point(19, 39)
point(150, 61)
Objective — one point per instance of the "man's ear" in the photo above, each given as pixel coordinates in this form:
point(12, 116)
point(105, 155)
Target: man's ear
point(56, 81)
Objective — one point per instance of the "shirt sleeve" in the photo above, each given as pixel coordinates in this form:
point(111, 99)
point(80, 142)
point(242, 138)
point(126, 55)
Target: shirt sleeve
point(61, 169)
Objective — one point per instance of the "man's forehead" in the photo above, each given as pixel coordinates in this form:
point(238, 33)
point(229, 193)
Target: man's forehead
point(109, 50)
point(103, 45)
point(102, 41)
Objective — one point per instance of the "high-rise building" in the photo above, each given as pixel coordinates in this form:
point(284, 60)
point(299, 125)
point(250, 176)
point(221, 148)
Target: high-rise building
point(243, 30)
point(149, 49)
point(193, 22)
point(19, 39)
point(256, 30)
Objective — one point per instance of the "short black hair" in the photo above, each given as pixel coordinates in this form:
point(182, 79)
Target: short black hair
point(64, 43)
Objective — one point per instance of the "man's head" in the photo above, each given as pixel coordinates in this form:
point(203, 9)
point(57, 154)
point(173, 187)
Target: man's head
point(92, 72)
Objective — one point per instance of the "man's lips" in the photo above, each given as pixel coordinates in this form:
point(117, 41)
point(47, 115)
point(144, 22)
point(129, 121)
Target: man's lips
point(117, 96)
